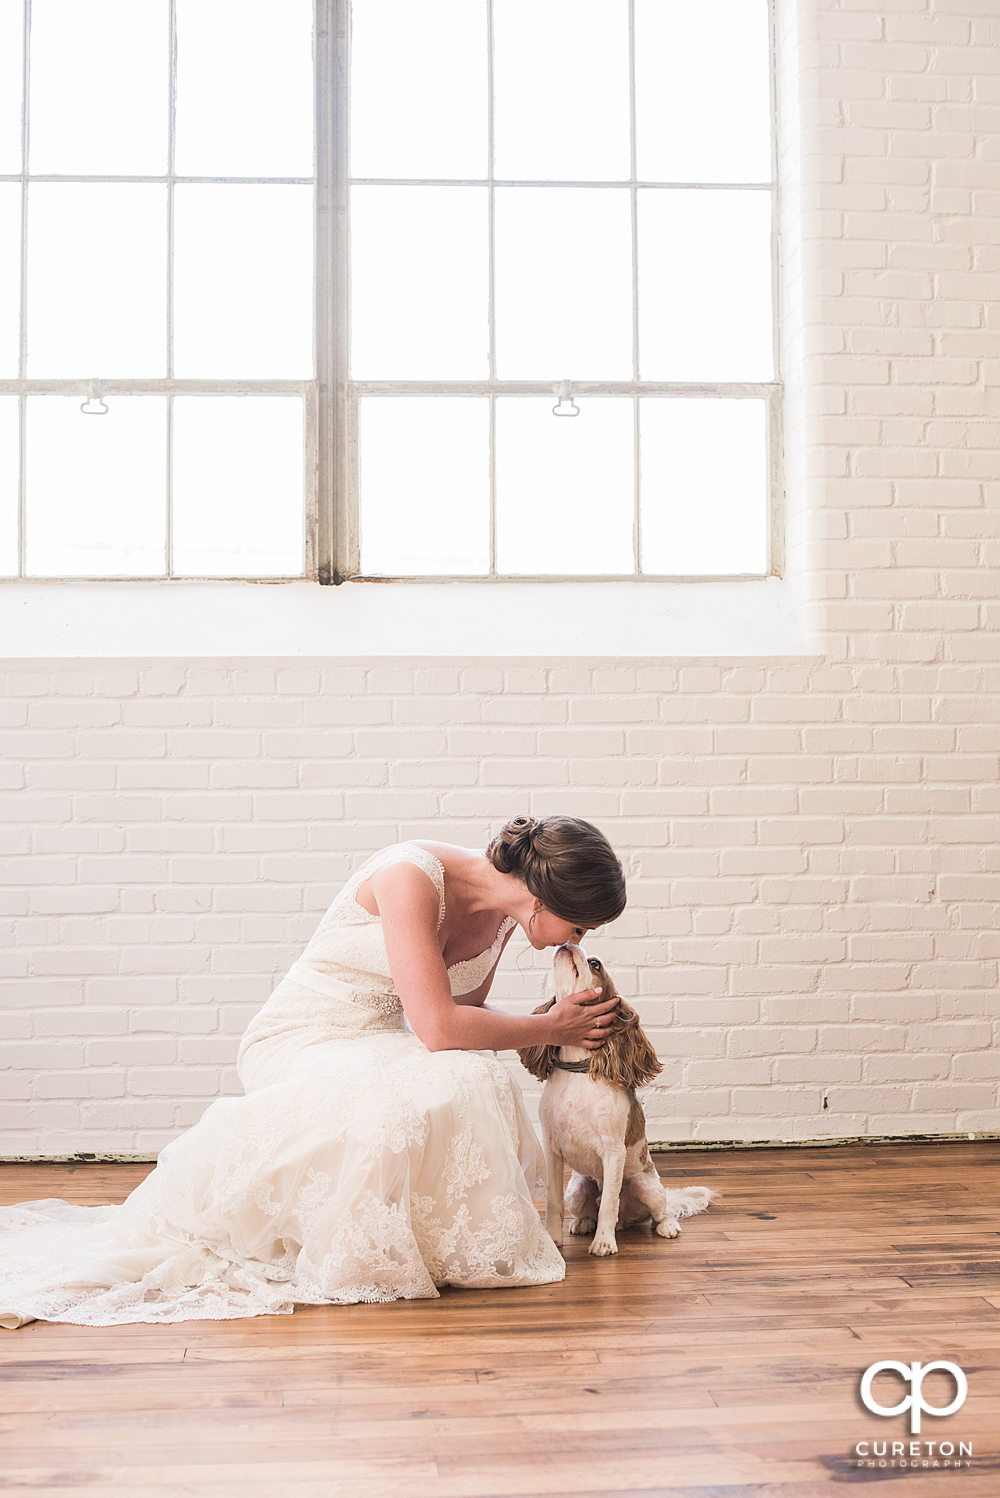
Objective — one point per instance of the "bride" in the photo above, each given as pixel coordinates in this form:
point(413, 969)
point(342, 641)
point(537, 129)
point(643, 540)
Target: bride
point(382, 1149)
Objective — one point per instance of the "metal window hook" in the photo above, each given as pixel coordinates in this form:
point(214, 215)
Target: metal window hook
point(95, 404)
point(566, 405)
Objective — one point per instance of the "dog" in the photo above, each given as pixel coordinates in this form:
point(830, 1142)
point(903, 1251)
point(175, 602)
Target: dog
point(592, 1120)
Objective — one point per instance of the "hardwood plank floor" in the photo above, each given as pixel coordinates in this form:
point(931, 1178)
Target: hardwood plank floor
point(722, 1364)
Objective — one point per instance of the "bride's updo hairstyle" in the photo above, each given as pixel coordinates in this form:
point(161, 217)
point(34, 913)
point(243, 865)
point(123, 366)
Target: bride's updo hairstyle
point(564, 862)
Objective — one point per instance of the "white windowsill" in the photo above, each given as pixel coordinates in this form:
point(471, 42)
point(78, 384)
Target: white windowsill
point(198, 619)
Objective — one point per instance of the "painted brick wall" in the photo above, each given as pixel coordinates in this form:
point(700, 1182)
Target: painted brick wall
point(810, 909)
point(812, 844)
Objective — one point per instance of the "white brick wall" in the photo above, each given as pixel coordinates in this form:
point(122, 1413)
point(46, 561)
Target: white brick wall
point(812, 843)
point(809, 919)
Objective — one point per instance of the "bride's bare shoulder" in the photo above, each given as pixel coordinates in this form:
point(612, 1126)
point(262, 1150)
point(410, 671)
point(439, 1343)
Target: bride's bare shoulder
point(402, 885)
point(452, 858)
point(462, 870)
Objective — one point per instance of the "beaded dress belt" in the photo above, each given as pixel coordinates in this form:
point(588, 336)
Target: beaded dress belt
point(327, 984)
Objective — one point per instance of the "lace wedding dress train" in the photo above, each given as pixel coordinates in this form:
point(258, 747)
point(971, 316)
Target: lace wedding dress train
point(358, 1167)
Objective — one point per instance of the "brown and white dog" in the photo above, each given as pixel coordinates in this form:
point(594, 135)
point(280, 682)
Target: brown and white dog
point(592, 1120)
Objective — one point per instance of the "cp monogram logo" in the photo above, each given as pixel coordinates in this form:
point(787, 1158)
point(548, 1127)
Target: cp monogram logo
point(914, 1374)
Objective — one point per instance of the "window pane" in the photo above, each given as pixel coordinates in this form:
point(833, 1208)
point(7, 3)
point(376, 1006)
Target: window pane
point(702, 77)
point(237, 486)
point(705, 285)
point(11, 76)
point(9, 463)
point(96, 488)
point(243, 288)
point(419, 268)
point(99, 87)
point(10, 278)
point(561, 89)
point(563, 283)
point(425, 486)
point(419, 89)
point(703, 487)
point(244, 88)
point(97, 279)
point(564, 487)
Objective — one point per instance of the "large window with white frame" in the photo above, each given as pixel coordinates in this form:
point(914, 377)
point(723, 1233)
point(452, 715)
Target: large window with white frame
point(562, 338)
point(156, 287)
point(538, 340)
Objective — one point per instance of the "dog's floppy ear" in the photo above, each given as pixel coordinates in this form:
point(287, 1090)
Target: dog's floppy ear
point(626, 1059)
point(540, 1059)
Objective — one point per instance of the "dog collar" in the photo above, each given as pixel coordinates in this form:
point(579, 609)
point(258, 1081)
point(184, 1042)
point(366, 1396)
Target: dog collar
point(572, 1065)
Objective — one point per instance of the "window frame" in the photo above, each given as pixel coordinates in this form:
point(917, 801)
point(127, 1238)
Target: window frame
point(330, 398)
point(338, 499)
point(25, 387)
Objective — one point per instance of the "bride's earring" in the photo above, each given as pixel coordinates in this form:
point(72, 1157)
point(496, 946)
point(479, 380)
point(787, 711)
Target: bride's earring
point(534, 913)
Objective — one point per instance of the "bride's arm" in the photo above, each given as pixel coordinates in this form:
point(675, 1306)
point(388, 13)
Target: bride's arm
point(408, 907)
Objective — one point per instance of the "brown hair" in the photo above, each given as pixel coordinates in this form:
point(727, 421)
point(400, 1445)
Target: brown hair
point(566, 863)
point(626, 1059)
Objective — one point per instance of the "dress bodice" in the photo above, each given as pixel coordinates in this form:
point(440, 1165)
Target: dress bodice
point(349, 943)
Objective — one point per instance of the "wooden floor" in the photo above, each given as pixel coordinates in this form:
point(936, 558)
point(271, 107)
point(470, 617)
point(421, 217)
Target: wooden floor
point(720, 1364)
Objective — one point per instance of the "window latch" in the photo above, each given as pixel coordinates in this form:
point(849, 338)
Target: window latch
point(95, 404)
point(565, 405)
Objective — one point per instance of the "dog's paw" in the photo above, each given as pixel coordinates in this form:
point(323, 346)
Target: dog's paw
point(668, 1228)
point(581, 1225)
point(604, 1245)
point(556, 1236)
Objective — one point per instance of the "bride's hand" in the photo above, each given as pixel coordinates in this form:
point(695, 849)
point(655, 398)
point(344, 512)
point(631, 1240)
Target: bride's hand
point(577, 1020)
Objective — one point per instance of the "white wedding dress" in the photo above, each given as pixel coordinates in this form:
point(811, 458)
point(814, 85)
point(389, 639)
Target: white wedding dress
point(358, 1167)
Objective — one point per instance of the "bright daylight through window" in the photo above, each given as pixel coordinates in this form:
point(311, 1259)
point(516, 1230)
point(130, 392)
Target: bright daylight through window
point(562, 203)
point(522, 205)
point(156, 286)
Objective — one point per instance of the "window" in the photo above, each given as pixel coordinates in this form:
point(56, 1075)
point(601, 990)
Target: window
point(156, 287)
point(540, 341)
point(561, 353)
